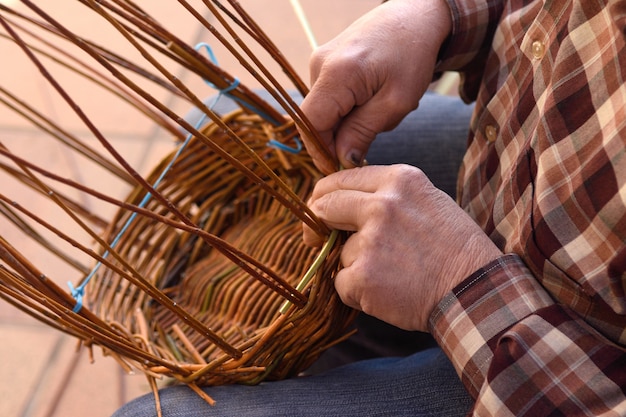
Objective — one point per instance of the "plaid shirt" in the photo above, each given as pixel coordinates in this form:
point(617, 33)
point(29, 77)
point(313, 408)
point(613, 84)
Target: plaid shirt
point(542, 331)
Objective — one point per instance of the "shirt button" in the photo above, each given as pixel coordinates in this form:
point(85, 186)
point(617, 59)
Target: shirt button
point(491, 133)
point(538, 49)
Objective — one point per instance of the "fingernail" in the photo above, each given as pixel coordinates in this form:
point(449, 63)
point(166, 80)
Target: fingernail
point(356, 158)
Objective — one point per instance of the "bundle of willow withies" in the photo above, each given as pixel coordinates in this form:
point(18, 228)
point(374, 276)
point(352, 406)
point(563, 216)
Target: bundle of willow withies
point(201, 274)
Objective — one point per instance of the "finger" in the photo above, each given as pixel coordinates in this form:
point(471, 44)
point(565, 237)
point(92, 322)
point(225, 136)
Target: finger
point(335, 199)
point(344, 286)
point(349, 280)
point(327, 103)
point(333, 96)
point(366, 179)
point(310, 237)
point(342, 209)
point(351, 250)
point(346, 180)
point(356, 132)
point(353, 139)
point(323, 114)
point(320, 157)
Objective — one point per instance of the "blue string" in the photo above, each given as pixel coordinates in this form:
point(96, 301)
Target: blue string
point(79, 292)
point(235, 84)
point(279, 145)
point(272, 142)
point(210, 53)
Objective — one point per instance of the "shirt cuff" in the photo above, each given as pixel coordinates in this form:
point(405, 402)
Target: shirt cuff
point(468, 322)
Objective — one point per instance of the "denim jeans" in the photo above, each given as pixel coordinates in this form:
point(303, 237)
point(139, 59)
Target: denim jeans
point(380, 371)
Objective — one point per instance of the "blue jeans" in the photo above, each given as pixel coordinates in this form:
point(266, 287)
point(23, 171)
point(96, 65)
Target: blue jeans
point(381, 371)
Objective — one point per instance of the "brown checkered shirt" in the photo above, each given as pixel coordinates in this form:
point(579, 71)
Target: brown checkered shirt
point(542, 331)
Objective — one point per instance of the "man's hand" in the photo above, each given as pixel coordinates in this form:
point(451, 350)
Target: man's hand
point(411, 243)
point(372, 75)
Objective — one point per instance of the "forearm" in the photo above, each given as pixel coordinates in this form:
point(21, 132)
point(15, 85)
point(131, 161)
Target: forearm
point(519, 352)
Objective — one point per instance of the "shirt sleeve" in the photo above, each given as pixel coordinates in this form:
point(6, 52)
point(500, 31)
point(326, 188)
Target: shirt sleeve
point(520, 353)
point(473, 24)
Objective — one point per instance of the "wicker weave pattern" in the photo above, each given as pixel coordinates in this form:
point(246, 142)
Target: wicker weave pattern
point(209, 287)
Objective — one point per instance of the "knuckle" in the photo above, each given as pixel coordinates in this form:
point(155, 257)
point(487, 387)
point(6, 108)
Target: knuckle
point(389, 202)
point(345, 66)
point(355, 58)
point(382, 207)
point(402, 176)
point(318, 57)
point(321, 204)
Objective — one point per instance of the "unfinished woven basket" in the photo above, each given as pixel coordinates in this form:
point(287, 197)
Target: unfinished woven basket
point(201, 274)
point(216, 320)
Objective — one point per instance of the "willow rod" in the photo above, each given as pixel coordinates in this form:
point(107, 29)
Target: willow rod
point(235, 255)
point(286, 290)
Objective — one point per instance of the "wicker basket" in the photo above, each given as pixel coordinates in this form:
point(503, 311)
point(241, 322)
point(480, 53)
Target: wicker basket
point(238, 333)
point(201, 275)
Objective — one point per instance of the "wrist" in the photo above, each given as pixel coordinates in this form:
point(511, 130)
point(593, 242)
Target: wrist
point(478, 251)
point(435, 13)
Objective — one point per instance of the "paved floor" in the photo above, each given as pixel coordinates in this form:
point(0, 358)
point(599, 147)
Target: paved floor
point(41, 373)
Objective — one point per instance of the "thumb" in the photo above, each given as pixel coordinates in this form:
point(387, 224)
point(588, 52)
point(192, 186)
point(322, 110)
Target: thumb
point(352, 141)
point(359, 128)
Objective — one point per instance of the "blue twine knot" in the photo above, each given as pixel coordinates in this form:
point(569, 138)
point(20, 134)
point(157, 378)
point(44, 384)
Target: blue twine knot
point(78, 294)
point(225, 91)
point(213, 58)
